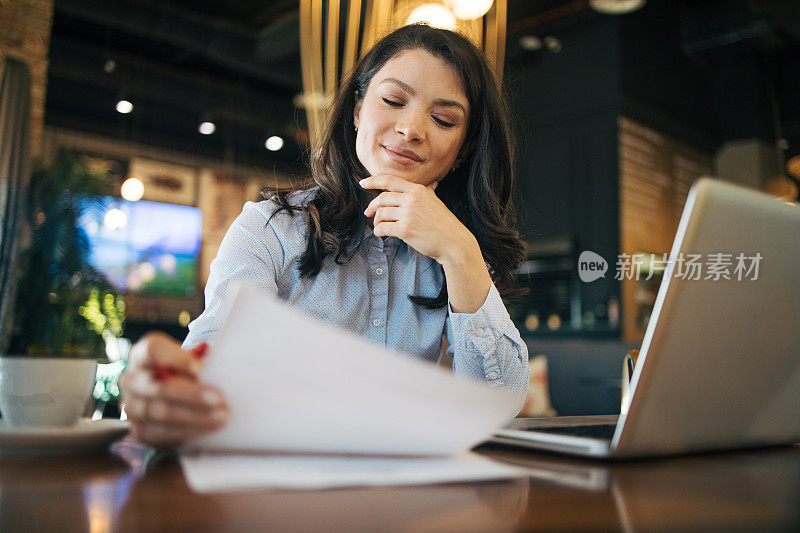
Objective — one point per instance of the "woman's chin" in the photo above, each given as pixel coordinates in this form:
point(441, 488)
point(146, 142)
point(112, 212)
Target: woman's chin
point(400, 172)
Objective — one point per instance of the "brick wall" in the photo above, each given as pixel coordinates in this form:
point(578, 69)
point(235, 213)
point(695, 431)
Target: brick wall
point(656, 173)
point(25, 36)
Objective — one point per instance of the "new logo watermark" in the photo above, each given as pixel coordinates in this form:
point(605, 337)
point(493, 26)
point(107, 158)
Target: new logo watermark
point(591, 266)
point(714, 266)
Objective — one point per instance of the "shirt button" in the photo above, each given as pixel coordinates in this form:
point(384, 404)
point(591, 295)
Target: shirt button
point(379, 271)
point(479, 331)
point(492, 375)
point(376, 322)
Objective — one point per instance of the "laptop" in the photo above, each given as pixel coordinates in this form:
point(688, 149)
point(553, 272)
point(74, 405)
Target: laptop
point(719, 367)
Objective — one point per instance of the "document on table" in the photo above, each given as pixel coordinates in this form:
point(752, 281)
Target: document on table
point(217, 473)
point(295, 384)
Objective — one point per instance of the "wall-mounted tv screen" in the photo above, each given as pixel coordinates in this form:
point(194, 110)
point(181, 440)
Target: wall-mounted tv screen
point(144, 247)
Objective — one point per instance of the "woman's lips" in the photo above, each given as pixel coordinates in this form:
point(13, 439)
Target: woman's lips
point(402, 156)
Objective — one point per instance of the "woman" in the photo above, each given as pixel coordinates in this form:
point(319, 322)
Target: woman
point(420, 112)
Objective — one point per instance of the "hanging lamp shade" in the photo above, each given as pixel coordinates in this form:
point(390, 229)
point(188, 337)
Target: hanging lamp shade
point(470, 9)
point(616, 7)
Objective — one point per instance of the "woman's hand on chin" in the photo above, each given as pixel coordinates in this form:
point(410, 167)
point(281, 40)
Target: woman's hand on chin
point(413, 213)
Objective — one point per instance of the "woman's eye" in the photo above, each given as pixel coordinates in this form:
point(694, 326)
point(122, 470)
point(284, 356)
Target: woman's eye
point(443, 123)
point(393, 103)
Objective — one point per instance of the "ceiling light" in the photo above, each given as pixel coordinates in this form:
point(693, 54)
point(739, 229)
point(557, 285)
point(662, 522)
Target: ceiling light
point(553, 44)
point(132, 189)
point(274, 143)
point(530, 42)
point(207, 128)
point(124, 107)
point(470, 9)
point(435, 15)
point(616, 7)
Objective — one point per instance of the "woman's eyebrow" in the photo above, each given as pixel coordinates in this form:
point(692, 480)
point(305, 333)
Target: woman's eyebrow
point(440, 101)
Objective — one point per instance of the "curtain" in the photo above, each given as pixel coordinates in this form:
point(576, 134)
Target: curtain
point(15, 146)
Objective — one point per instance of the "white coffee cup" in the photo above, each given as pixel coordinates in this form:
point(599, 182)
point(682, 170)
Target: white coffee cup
point(44, 391)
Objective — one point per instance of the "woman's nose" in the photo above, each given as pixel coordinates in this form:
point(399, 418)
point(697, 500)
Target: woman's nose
point(411, 126)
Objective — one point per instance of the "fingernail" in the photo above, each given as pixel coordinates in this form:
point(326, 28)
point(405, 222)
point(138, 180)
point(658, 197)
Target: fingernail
point(219, 414)
point(199, 351)
point(212, 397)
point(361, 182)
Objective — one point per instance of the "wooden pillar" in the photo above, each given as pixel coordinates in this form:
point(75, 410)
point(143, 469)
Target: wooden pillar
point(25, 36)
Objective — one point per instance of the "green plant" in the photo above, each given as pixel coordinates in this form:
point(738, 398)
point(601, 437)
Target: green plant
point(63, 305)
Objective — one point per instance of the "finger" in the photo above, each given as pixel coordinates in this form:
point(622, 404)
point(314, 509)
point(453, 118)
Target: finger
point(156, 348)
point(388, 214)
point(388, 229)
point(384, 199)
point(388, 182)
point(137, 382)
point(162, 412)
point(163, 435)
point(179, 390)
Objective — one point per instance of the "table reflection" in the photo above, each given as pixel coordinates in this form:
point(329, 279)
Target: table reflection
point(62, 494)
point(491, 506)
point(134, 489)
point(730, 491)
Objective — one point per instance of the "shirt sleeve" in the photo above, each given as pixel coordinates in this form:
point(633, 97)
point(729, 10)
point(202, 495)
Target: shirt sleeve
point(251, 252)
point(487, 346)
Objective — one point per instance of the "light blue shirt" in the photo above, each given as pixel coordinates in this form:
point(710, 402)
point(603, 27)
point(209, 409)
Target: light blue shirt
point(367, 295)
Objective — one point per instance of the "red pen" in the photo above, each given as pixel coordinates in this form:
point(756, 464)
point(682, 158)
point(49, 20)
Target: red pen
point(163, 372)
point(199, 351)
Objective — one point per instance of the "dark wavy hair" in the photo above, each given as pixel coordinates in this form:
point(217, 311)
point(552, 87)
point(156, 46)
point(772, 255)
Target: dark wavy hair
point(478, 191)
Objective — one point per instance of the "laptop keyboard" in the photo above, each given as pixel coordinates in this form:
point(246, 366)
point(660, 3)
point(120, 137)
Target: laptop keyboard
point(595, 431)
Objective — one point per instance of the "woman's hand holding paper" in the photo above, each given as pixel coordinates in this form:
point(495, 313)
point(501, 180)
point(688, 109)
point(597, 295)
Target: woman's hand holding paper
point(164, 400)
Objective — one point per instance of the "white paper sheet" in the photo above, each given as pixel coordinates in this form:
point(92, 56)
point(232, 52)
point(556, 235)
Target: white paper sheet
point(218, 473)
point(297, 384)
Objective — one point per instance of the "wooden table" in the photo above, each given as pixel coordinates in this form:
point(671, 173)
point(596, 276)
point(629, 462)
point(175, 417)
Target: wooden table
point(131, 489)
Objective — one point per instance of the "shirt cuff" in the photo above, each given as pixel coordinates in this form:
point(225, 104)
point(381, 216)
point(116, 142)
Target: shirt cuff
point(481, 330)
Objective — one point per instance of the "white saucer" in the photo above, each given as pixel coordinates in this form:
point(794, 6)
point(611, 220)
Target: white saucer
point(84, 437)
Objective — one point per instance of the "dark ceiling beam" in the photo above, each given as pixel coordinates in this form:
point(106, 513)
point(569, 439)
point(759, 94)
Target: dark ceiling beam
point(220, 41)
point(228, 101)
point(280, 40)
point(272, 11)
point(545, 17)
